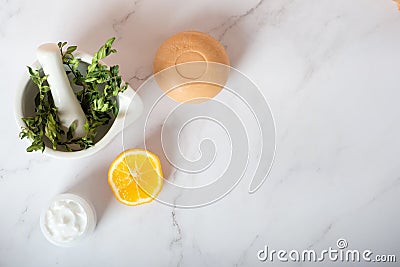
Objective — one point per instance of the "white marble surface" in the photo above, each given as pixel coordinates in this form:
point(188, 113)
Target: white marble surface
point(330, 71)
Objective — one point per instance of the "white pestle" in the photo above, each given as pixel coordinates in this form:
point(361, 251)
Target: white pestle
point(68, 106)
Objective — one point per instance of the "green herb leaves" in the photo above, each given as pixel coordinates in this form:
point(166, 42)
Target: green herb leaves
point(45, 122)
point(99, 87)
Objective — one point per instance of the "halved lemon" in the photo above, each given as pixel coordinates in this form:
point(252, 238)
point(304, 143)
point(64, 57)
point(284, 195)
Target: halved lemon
point(135, 177)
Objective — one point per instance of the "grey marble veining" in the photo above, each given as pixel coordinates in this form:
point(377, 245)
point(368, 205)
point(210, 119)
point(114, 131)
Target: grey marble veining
point(329, 70)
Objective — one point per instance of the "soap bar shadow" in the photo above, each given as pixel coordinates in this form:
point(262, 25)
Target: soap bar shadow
point(138, 36)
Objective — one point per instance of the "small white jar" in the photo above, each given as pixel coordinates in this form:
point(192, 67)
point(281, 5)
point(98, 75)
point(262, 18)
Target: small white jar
point(67, 220)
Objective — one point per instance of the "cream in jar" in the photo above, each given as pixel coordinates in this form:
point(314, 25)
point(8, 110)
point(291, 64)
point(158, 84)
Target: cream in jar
point(67, 220)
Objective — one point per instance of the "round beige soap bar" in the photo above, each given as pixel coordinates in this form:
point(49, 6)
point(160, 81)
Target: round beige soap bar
point(191, 67)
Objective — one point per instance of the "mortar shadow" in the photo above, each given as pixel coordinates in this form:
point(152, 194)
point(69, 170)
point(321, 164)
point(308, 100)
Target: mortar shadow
point(136, 50)
point(102, 196)
point(154, 144)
